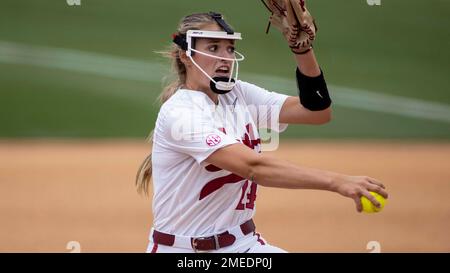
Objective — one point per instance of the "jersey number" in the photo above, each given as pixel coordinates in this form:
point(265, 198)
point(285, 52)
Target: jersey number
point(248, 196)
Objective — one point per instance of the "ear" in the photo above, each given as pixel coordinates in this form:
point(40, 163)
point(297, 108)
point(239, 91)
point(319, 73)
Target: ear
point(185, 59)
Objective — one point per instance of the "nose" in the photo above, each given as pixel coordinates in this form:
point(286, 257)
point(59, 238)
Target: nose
point(225, 62)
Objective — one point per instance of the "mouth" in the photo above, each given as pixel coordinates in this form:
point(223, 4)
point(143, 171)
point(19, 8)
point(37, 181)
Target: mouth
point(223, 70)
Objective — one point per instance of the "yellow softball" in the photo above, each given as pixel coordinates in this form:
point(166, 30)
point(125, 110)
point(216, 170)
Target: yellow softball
point(367, 205)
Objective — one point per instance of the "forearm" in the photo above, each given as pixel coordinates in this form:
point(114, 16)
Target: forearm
point(273, 172)
point(307, 64)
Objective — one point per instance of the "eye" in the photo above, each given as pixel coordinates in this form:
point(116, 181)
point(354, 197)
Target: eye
point(231, 49)
point(212, 48)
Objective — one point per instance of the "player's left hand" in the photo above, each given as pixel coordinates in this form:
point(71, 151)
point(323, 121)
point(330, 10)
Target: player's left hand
point(295, 23)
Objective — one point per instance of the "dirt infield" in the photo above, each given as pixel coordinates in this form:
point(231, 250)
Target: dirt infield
point(53, 192)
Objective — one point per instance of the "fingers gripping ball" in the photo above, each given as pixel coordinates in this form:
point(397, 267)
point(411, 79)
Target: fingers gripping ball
point(367, 205)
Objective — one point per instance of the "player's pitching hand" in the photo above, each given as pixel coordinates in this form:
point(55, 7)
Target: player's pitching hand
point(355, 187)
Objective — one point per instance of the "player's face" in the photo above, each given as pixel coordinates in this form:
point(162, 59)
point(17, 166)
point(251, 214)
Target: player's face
point(222, 48)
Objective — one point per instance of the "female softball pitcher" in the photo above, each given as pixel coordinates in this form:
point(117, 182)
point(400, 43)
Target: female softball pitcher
point(206, 162)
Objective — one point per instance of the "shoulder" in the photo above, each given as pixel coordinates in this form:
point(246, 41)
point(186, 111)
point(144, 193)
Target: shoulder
point(242, 90)
point(184, 105)
point(251, 93)
point(186, 99)
point(245, 87)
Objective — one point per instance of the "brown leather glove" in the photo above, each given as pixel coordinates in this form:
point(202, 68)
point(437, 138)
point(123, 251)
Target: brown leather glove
point(294, 21)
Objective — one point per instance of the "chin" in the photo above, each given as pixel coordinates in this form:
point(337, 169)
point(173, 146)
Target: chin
point(221, 75)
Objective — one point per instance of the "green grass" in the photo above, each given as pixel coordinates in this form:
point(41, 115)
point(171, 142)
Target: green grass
point(398, 48)
point(80, 106)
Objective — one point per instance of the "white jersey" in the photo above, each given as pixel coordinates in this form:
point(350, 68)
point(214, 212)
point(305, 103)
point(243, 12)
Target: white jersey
point(192, 197)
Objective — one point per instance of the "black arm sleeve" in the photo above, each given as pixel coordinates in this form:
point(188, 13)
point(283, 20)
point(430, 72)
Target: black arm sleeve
point(313, 91)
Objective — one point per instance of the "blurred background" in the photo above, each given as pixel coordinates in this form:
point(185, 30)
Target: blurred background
point(78, 90)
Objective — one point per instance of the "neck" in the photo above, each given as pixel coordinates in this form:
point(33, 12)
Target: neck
point(213, 96)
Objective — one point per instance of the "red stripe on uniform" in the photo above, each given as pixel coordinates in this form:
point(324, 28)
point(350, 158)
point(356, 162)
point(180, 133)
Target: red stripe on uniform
point(155, 248)
point(259, 239)
point(217, 183)
point(212, 168)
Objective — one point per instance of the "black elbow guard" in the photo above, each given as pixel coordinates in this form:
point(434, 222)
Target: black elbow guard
point(313, 91)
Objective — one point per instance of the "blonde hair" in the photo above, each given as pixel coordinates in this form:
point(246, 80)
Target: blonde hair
point(191, 22)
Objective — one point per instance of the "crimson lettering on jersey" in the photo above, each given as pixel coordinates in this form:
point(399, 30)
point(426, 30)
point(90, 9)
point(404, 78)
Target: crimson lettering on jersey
point(249, 188)
point(250, 193)
point(249, 138)
point(248, 196)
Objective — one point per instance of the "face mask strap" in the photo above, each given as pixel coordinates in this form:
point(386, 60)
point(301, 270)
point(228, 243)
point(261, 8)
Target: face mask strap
point(234, 60)
point(221, 22)
point(217, 84)
point(180, 40)
point(241, 57)
point(201, 69)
